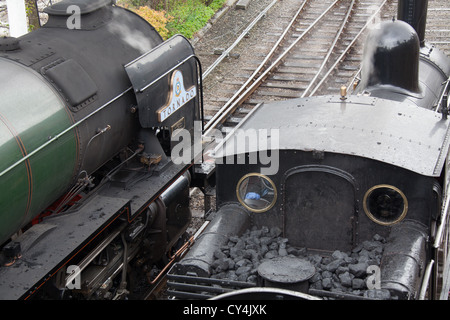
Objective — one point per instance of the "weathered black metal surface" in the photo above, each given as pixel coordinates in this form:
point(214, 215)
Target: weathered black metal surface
point(404, 260)
point(152, 73)
point(85, 6)
point(398, 66)
point(77, 88)
point(41, 261)
point(230, 220)
point(194, 287)
point(361, 173)
point(287, 272)
point(313, 194)
point(52, 245)
point(391, 56)
point(397, 133)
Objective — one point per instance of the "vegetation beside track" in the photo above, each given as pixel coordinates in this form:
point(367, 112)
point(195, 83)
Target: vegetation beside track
point(170, 17)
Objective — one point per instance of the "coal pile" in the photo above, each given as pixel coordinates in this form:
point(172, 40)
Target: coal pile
point(340, 272)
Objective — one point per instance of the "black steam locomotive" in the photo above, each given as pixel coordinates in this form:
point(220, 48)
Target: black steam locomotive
point(341, 196)
point(91, 202)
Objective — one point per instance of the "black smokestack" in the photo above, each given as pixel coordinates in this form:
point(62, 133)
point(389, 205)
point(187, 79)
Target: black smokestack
point(414, 12)
point(391, 56)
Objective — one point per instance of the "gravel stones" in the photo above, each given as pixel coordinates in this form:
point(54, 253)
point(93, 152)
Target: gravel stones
point(344, 272)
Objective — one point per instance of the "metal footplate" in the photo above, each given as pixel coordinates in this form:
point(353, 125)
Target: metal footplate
point(191, 286)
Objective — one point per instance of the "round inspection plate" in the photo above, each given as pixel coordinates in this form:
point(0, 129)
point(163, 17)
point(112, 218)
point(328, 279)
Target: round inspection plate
point(287, 270)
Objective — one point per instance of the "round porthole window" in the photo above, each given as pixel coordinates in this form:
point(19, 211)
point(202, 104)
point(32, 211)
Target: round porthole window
point(256, 192)
point(385, 204)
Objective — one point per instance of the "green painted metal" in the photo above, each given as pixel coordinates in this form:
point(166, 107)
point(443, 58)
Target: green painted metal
point(31, 113)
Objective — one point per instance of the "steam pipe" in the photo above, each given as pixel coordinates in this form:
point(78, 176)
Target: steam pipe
point(405, 250)
point(231, 219)
point(169, 195)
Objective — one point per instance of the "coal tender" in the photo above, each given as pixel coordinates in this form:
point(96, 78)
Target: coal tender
point(340, 196)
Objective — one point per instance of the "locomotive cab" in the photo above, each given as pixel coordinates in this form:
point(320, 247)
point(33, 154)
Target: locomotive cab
point(342, 198)
point(365, 190)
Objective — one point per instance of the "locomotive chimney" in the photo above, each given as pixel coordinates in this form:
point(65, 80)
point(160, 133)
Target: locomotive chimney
point(414, 12)
point(391, 57)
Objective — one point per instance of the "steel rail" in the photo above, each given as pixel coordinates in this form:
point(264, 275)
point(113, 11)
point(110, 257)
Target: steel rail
point(350, 45)
point(276, 45)
point(238, 98)
point(330, 50)
point(212, 122)
point(238, 40)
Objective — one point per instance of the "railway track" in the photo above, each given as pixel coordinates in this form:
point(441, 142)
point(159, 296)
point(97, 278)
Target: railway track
point(315, 50)
point(438, 29)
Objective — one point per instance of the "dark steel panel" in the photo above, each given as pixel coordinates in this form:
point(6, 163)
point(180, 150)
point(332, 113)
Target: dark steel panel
point(320, 208)
point(391, 57)
point(72, 81)
point(153, 72)
point(404, 259)
point(231, 219)
point(397, 133)
point(55, 245)
point(86, 6)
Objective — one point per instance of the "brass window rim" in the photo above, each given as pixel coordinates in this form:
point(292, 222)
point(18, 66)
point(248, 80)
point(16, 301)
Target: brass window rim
point(372, 217)
point(242, 202)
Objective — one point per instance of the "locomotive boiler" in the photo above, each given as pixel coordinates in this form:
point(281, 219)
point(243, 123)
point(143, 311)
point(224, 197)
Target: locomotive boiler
point(339, 196)
point(90, 199)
